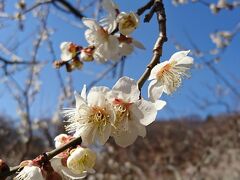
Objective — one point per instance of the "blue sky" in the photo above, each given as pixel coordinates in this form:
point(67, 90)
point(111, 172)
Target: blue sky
point(193, 19)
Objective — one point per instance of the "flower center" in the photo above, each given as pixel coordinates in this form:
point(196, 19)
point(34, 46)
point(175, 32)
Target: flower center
point(73, 48)
point(170, 75)
point(121, 109)
point(128, 22)
point(164, 70)
point(103, 33)
point(99, 116)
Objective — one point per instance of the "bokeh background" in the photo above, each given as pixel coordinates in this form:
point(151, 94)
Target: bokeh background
point(196, 135)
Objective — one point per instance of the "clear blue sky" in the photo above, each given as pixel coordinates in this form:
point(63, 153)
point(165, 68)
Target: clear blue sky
point(194, 19)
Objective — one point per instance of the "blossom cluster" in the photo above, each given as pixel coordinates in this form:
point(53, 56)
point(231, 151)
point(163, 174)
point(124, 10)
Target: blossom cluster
point(73, 163)
point(121, 112)
point(116, 112)
point(112, 32)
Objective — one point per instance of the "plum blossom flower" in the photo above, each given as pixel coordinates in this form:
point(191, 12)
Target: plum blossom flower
point(97, 36)
point(92, 117)
point(62, 139)
point(132, 114)
point(69, 50)
point(30, 172)
point(167, 76)
point(127, 22)
point(127, 44)
point(221, 38)
point(81, 160)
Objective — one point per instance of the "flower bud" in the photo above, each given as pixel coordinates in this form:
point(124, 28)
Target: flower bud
point(127, 22)
point(81, 160)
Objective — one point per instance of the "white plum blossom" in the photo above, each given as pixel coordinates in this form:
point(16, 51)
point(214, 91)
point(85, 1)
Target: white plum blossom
point(167, 76)
point(61, 139)
point(127, 44)
point(30, 172)
point(93, 116)
point(221, 38)
point(127, 22)
point(106, 45)
point(81, 160)
point(69, 51)
point(132, 113)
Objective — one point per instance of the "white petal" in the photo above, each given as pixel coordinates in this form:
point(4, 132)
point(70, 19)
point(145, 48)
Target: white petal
point(64, 45)
point(148, 111)
point(79, 100)
point(98, 56)
point(141, 130)
point(68, 173)
point(156, 69)
point(125, 49)
point(56, 163)
point(109, 5)
point(113, 44)
point(124, 18)
point(155, 90)
point(84, 92)
point(97, 96)
point(66, 56)
point(59, 140)
point(179, 55)
point(186, 61)
point(126, 88)
point(167, 90)
point(30, 172)
point(90, 23)
point(89, 36)
point(87, 133)
point(126, 138)
point(138, 44)
point(104, 136)
point(159, 104)
point(112, 26)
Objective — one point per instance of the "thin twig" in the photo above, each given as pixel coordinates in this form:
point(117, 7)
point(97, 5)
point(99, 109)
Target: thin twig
point(48, 156)
point(141, 10)
point(70, 8)
point(157, 50)
point(9, 62)
point(37, 5)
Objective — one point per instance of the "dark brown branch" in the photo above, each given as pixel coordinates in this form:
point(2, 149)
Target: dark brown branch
point(158, 7)
point(141, 10)
point(37, 5)
point(70, 8)
point(48, 156)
